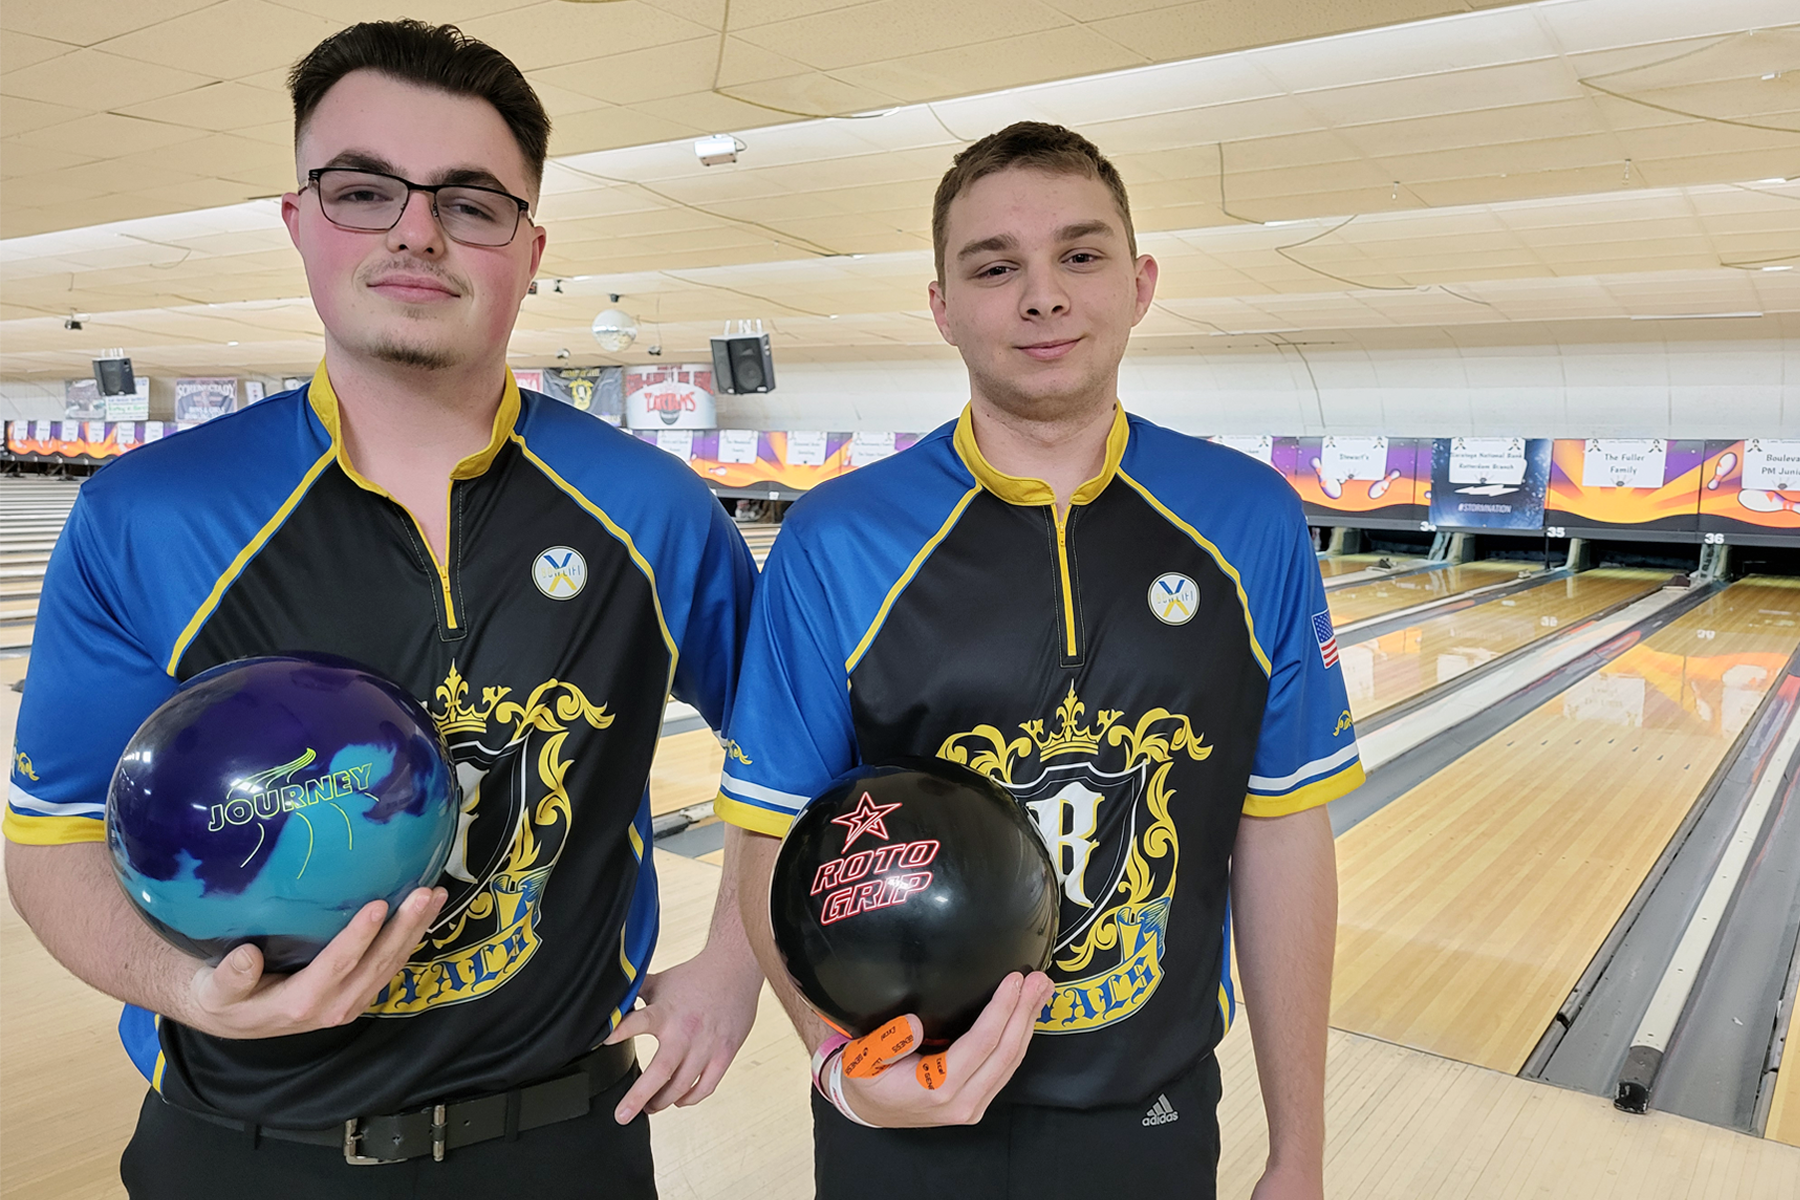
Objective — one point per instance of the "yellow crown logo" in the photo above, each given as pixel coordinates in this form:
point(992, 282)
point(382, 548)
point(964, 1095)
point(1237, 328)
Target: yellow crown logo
point(457, 717)
point(1071, 737)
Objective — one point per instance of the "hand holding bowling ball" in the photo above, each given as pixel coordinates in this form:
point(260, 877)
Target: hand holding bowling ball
point(271, 800)
point(911, 890)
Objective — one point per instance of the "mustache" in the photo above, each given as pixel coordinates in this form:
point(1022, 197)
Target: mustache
point(412, 266)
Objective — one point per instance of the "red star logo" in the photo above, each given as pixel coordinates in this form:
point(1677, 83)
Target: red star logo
point(866, 819)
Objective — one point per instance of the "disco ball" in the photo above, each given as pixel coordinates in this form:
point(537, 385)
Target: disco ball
point(615, 330)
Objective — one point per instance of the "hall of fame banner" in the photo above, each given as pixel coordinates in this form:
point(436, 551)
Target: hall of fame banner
point(1380, 481)
point(1750, 491)
point(1630, 488)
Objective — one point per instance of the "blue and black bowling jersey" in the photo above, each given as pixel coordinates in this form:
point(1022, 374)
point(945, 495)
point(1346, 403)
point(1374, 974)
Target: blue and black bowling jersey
point(1139, 675)
point(588, 576)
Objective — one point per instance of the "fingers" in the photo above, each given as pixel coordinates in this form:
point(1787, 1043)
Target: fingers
point(395, 943)
point(870, 1055)
point(657, 1072)
point(985, 1078)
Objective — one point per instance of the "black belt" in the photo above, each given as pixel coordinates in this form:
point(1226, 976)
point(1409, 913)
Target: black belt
point(372, 1141)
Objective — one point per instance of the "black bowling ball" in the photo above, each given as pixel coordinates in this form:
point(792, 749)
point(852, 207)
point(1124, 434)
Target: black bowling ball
point(911, 889)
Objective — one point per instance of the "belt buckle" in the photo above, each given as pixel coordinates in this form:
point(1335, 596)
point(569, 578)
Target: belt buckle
point(353, 1136)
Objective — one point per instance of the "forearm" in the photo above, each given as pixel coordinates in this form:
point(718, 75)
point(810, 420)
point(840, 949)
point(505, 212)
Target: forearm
point(1284, 912)
point(757, 854)
point(726, 937)
point(69, 897)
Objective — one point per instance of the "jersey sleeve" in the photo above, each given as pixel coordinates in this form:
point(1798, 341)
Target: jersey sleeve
point(791, 731)
point(1306, 755)
point(90, 683)
point(712, 644)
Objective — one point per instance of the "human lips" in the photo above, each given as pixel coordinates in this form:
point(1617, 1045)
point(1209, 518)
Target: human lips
point(1049, 351)
point(413, 288)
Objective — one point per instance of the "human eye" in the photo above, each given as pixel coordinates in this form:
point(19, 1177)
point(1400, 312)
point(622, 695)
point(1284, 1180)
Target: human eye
point(471, 206)
point(360, 190)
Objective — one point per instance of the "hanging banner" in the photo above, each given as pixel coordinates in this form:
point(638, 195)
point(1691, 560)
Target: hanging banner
point(678, 397)
point(530, 381)
point(805, 448)
point(737, 447)
point(198, 400)
point(866, 448)
point(679, 442)
point(596, 390)
point(1632, 488)
point(1261, 447)
point(82, 400)
point(1489, 483)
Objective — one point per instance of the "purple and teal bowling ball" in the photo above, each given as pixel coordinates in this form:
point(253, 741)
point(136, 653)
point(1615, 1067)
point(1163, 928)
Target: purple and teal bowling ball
point(269, 799)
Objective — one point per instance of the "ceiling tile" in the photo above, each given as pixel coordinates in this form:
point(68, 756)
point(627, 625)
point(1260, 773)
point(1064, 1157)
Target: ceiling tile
point(87, 24)
point(94, 81)
point(227, 39)
point(554, 33)
point(870, 32)
point(217, 106)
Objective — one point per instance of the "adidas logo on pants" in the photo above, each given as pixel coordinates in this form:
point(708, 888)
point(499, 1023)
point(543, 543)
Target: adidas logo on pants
point(1162, 1112)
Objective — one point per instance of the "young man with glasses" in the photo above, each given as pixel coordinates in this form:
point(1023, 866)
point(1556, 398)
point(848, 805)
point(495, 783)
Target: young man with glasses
point(1125, 628)
point(540, 581)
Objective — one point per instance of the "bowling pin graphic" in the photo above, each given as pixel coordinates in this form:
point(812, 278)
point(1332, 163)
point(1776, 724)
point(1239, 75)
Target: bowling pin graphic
point(1721, 469)
point(1766, 502)
point(1327, 484)
point(1379, 488)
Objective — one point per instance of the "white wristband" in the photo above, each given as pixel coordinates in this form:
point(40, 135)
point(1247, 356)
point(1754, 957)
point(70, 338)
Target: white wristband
point(831, 1079)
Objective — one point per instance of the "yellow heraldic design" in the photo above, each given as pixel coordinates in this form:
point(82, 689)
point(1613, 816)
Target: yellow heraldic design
point(515, 819)
point(1104, 814)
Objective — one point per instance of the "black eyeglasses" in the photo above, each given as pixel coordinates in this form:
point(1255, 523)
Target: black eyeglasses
point(371, 202)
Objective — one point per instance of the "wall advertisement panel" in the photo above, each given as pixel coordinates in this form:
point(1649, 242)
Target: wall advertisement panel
point(1373, 482)
point(1489, 483)
point(1631, 488)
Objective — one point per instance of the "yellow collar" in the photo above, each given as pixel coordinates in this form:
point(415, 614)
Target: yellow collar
point(325, 403)
point(1015, 489)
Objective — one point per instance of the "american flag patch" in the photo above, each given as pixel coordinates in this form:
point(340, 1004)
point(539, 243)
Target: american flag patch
point(1327, 639)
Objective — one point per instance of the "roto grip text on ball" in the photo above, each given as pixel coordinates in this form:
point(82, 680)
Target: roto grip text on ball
point(851, 891)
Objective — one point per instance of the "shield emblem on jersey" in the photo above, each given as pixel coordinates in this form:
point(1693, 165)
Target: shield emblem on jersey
point(1089, 820)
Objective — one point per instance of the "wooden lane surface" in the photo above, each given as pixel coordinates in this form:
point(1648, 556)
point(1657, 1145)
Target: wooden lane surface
point(1784, 1114)
point(1361, 601)
point(1349, 564)
point(1470, 905)
point(685, 771)
point(1395, 667)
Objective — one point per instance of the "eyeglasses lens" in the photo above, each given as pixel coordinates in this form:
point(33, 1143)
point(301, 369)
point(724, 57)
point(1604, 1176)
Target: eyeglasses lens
point(370, 202)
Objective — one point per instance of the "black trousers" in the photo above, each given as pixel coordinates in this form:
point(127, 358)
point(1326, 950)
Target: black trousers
point(1166, 1145)
point(176, 1156)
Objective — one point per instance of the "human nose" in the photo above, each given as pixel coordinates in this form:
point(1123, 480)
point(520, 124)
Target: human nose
point(1043, 295)
point(417, 229)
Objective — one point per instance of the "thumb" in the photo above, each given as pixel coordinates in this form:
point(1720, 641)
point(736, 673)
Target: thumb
point(237, 974)
point(869, 1056)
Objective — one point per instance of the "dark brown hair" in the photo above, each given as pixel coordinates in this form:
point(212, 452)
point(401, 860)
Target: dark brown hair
point(433, 56)
point(1033, 144)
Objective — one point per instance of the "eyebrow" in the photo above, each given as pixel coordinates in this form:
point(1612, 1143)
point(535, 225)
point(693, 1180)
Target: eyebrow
point(1068, 233)
point(362, 160)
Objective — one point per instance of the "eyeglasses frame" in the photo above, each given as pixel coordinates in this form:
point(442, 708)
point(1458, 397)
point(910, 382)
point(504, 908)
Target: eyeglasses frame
point(431, 190)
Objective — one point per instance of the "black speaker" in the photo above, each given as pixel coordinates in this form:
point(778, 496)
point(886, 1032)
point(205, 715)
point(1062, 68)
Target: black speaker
point(743, 364)
point(114, 377)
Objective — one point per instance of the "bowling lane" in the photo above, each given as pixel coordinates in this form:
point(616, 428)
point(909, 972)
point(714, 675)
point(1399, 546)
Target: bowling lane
point(1364, 600)
point(1471, 904)
point(1350, 564)
point(1395, 667)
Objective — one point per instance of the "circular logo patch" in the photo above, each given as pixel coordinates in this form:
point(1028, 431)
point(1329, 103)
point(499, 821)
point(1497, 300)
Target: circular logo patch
point(560, 573)
point(1174, 599)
